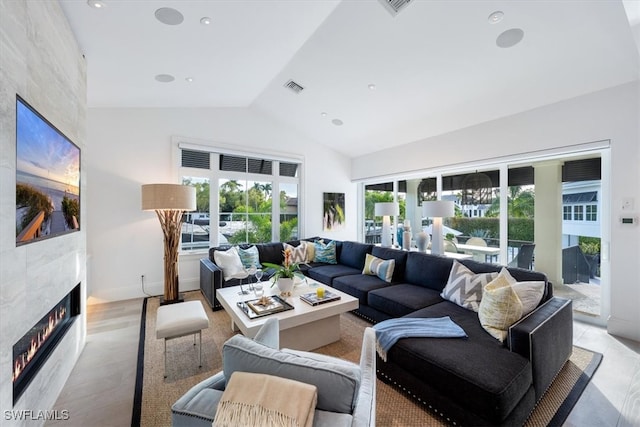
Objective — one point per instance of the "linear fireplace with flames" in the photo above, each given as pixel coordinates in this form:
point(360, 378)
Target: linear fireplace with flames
point(34, 348)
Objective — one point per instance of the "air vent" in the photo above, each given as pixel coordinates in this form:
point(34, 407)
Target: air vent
point(395, 6)
point(293, 86)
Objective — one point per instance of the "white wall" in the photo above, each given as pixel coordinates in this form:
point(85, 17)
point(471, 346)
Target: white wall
point(131, 147)
point(612, 114)
point(41, 62)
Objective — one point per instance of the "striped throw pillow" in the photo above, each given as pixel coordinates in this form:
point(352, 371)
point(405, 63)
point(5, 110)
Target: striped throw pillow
point(382, 268)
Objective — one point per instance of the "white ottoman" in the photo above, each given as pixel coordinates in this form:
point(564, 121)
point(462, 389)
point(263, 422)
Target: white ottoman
point(178, 320)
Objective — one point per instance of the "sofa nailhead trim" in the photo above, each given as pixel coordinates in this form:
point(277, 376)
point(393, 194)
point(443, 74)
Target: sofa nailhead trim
point(411, 394)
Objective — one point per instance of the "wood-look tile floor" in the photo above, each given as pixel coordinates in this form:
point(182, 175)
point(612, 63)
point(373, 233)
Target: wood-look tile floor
point(99, 391)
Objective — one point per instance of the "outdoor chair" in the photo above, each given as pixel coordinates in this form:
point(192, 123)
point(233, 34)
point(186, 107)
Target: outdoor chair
point(478, 241)
point(449, 246)
point(524, 259)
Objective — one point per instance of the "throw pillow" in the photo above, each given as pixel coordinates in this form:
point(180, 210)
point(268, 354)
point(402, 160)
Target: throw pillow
point(500, 308)
point(229, 262)
point(298, 253)
point(325, 252)
point(530, 293)
point(382, 268)
point(250, 257)
point(464, 287)
point(311, 251)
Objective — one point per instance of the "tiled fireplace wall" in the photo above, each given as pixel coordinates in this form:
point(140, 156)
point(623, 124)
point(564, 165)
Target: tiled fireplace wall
point(41, 61)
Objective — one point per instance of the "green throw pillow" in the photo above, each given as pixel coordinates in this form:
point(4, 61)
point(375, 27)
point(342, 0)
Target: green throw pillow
point(250, 257)
point(325, 252)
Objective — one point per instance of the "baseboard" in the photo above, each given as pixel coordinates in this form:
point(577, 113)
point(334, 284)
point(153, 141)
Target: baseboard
point(623, 328)
point(135, 291)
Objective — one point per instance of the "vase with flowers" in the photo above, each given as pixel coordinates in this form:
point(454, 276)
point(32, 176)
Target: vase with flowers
point(284, 274)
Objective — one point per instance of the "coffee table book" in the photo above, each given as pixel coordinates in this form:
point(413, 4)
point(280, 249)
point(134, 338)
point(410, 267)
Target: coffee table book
point(312, 298)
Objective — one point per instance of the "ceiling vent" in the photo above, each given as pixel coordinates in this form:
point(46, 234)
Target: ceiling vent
point(395, 6)
point(293, 86)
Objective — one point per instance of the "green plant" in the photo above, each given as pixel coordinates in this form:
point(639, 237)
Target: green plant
point(35, 201)
point(449, 236)
point(287, 270)
point(589, 245)
point(483, 234)
point(71, 210)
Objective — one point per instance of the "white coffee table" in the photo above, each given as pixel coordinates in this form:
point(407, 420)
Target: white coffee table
point(305, 327)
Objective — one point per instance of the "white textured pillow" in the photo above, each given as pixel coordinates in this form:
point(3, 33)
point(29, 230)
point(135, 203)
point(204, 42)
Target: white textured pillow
point(311, 250)
point(464, 287)
point(500, 308)
point(229, 262)
point(298, 253)
point(530, 293)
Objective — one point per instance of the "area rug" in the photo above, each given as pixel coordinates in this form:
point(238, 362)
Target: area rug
point(154, 394)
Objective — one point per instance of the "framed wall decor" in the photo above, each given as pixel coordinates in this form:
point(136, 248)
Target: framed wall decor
point(47, 178)
point(333, 217)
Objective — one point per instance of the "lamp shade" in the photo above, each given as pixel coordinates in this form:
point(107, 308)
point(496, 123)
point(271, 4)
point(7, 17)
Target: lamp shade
point(386, 208)
point(438, 209)
point(168, 197)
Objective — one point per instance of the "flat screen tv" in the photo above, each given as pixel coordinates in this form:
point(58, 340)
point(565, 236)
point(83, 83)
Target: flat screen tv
point(47, 178)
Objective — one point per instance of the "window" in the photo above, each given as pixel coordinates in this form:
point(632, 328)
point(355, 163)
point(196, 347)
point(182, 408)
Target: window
point(578, 213)
point(592, 212)
point(238, 191)
point(195, 230)
point(566, 213)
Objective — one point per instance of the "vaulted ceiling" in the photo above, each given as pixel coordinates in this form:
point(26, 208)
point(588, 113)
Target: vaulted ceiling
point(371, 80)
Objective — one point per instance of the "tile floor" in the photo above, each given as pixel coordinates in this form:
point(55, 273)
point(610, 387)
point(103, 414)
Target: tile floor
point(99, 391)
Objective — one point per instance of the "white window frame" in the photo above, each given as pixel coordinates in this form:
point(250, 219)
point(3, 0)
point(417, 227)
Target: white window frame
point(214, 175)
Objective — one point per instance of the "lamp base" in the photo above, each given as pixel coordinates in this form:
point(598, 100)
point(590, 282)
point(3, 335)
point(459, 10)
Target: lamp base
point(172, 301)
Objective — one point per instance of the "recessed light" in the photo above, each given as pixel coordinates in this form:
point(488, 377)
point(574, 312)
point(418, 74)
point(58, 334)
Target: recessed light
point(337, 122)
point(510, 38)
point(372, 86)
point(189, 79)
point(205, 20)
point(496, 17)
point(165, 78)
point(323, 114)
point(96, 4)
point(169, 16)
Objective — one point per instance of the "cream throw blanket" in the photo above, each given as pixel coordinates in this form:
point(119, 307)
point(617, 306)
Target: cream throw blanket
point(264, 400)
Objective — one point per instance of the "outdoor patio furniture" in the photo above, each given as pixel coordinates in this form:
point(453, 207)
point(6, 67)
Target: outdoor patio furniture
point(524, 259)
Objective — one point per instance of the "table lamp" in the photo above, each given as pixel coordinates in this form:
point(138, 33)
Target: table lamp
point(437, 209)
point(386, 210)
point(170, 201)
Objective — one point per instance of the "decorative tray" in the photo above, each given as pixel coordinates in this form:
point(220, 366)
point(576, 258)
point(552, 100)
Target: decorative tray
point(253, 309)
point(311, 298)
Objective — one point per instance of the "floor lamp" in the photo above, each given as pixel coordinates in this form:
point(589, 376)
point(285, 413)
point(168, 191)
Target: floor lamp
point(386, 210)
point(170, 201)
point(437, 209)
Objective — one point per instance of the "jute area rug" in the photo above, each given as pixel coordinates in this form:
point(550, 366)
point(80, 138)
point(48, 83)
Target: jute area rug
point(155, 394)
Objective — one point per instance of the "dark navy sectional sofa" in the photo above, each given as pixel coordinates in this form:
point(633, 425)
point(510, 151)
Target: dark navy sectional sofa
point(472, 381)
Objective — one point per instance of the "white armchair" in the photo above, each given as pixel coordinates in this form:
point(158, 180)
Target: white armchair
point(346, 391)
